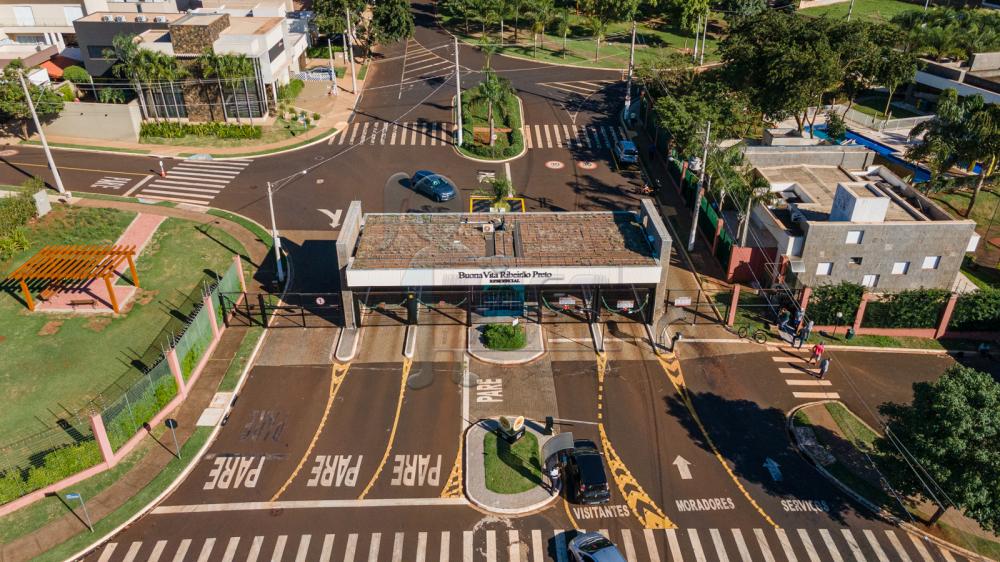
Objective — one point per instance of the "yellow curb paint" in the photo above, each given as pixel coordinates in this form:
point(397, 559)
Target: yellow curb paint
point(671, 366)
point(649, 515)
point(453, 487)
point(407, 364)
point(336, 378)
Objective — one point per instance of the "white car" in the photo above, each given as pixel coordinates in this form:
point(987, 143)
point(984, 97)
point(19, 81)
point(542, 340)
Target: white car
point(594, 547)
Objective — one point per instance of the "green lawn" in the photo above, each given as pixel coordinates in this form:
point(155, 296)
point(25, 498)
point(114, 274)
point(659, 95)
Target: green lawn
point(239, 362)
point(653, 39)
point(874, 105)
point(875, 10)
point(512, 469)
point(51, 364)
point(859, 434)
point(507, 115)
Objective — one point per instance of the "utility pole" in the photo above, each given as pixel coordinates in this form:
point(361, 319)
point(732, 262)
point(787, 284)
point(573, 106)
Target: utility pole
point(701, 186)
point(41, 135)
point(927, 4)
point(628, 85)
point(350, 47)
point(333, 73)
point(458, 95)
point(696, 32)
point(851, 9)
point(274, 235)
point(704, 37)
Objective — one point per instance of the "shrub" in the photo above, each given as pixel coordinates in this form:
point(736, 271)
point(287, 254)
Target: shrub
point(977, 311)
point(827, 300)
point(12, 243)
point(173, 130)
point(67, 92)
point(836, 129)
point(315, 116)
point(917, 308)
point(290, 91)
point(503, 336)
point(53, 467)
point(111, 95)
point(76, 74)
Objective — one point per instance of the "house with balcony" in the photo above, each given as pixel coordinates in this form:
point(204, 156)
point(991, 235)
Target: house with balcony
point(833, 215)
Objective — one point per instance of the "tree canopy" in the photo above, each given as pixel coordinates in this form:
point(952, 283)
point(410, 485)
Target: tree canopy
point(13, 104)
point(392, 20)
point(951, 434)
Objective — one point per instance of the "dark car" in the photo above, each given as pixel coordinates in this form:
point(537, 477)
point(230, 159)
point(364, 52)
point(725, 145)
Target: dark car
point(594, 547)
point(435, 186)
point(585, 474)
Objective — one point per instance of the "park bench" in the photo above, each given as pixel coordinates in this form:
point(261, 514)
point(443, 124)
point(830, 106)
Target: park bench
point(82, 302)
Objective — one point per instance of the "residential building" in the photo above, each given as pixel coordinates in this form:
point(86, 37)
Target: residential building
point(835, 216)
point(979, 75)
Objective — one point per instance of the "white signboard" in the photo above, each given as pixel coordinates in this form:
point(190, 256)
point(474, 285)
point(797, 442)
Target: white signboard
point(682, 301)
point(566, 301)
point(610, 275)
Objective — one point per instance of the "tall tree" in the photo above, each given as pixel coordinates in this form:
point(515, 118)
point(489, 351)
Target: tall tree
point(13, 104)
point(564, 24)
point(126, 54)
point(391, 21)
point(896, 68)
point(948, 440)
point(542, 13)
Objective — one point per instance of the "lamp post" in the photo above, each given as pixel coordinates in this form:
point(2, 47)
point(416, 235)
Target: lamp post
point(628, 86)
point(333, 73)
point(41, 135)
point(458, 96)
point(274, 236)
point(840, 318)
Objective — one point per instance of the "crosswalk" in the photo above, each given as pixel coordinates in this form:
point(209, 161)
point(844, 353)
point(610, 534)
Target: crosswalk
point(420, 63)
point(579, 87)
point(383, 133)
point(801, 378)
point(509, 544)
point(194, 181)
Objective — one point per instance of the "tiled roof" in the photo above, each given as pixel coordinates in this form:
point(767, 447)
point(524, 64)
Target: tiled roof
point(396, 241)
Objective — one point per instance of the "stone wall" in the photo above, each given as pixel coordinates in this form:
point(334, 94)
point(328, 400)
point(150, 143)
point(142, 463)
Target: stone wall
point(194, 39)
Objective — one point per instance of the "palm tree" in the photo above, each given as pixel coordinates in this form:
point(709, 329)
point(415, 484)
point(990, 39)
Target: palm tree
point(209, 65)
point(127, 54)
point(598, 27)
point(940, 42)
point(563, 23)
point(542, 12)
point(237, 67)
point(493, 91)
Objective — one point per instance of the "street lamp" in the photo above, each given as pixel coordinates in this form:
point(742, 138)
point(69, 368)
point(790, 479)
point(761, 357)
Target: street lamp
point(274, 227)
point(840, 318)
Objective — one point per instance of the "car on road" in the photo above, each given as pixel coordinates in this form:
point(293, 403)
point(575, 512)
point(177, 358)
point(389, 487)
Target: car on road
point(434, 186)
point(585, 473)
point(626, 152)
point(594, 547)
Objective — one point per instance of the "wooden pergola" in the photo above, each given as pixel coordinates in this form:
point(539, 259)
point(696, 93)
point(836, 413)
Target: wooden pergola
point(76, 264)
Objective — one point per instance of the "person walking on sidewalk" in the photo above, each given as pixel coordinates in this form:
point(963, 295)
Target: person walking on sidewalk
point(554, 475)
point(798, 337)
point(824, 366)
point(817, 353)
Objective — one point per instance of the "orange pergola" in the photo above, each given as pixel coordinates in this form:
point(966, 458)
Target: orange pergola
point(75, 264)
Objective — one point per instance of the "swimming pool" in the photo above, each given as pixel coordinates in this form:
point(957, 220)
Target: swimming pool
point(920, 174)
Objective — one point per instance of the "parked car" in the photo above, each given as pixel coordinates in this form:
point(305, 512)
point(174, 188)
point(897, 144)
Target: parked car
point(319, 73)
point(626, 152)
point(585, 473)
point(434, 186)
point(594, 547)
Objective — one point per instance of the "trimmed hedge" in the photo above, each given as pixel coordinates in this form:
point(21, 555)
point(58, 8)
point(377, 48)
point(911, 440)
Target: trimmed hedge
point(52, 468)
point(174, 130)
point(503, 337)
point(15, 212)
point(977, 311)
point(827, 300)
point(916, 308)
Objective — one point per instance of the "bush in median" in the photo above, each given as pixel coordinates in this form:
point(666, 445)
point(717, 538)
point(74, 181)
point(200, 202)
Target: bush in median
point(503, 337)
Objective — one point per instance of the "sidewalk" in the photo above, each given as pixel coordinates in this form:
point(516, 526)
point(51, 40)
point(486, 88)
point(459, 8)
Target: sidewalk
point(156, 456)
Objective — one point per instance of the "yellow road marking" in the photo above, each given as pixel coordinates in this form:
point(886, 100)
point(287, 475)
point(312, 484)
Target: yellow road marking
point(649, 514)
point(672, 367)
point(407, 363)
point(81, 169)
point(336, 378)
point(453, 487)
point(570, 515)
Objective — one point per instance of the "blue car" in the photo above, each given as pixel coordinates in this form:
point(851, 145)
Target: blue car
point(434, 186)
point(626, 152)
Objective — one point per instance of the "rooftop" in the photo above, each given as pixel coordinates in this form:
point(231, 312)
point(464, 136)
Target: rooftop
point(251, 25)
point(130, 17)
point(445, 240)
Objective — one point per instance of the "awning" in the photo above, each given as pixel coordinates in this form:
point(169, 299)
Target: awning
point(558, 443)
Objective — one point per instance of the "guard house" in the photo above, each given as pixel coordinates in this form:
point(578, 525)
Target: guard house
point(472, 268)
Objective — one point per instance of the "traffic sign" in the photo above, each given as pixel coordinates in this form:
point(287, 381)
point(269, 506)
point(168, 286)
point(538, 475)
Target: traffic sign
point(73, 496)
point(170, 422)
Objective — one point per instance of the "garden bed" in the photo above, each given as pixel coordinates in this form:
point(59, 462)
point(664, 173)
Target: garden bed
point(511, 469)
point(506, 115)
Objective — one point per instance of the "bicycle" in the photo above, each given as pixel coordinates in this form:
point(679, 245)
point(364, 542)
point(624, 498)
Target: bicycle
point(749, 332)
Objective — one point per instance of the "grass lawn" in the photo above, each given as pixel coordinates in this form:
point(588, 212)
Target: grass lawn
point(512, 469)
point(52, 364)
point(983, 277)
point(507, 115)
point(239, 362)
point(860, 434)
point(654, 38)
point(874, 10)
point(874, 105)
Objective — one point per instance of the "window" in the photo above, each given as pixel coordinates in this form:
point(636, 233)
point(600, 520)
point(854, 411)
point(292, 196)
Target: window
point(869, 281)
point(824, 268)
point(72, 13)
point(932, 262)
point(97, 51)
point(853, 261)
point(900, 267)
point(24, 16)
point(855, 236)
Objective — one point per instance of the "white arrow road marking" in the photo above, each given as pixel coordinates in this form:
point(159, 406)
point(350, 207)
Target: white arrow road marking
point(683, 466)
point(334, 216)
point(773, 468)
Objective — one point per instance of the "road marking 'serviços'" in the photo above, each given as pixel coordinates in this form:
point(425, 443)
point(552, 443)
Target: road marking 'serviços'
point(336, 379)
point(407, 364)
point(672, 367)
point(642, 505)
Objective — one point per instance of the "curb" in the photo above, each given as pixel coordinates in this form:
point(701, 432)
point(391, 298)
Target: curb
point(332, 132)
point(870, 349)
point(508, 362)
point(878, 511)
point(524, 145)
point(204, 448)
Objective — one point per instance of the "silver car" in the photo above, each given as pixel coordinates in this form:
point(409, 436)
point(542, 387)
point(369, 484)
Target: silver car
point(594, 547)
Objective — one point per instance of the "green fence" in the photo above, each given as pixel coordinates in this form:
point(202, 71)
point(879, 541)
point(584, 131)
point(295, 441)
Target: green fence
point(138, 403)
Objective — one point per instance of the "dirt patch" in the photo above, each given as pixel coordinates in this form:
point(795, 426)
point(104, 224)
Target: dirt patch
point(50, 328)
point(98, 323)
point(3, 339)
point(145, 297)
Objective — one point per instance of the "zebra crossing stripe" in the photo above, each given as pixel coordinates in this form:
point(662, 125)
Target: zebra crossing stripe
point(699, 553)
point(108, 551)
point(817, 395)
point(555, 133)
point(421, 547)
point(786, 545)
point(720, 548)
point(792, 382)
point(445, 546)
point(343, 135)
point(258, 541)
point(947, 555)
point(180, 187)
point(373, 547)
point(548, 137)
point(352, 547)
point(279, 548)
point(675, 546)
point(536, 545)
point(157, 551)
point(206, 550)
point(182, 550)
point(392, 138)
point(608, 139)
point(397, 548)
point(526, 133)
point(807, 543)
point(491, 546)
point(651, 549)
point(852, 544)
point(467, 545)
point(230, 552)
point(133, 550)
point(327, 550)
point(304, 541)
point(830, 545)
point(764, 547)
point(741, 545)
point(627, 543)
point(894, 541)
point(560, 545)
point(921, 549)
point(190, 176)
point(582, 133)
point(512, 545)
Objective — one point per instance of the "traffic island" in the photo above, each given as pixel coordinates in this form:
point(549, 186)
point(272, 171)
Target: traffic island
point(504, 476)
point(842, 447)
point(506, 344)
point(502, 140)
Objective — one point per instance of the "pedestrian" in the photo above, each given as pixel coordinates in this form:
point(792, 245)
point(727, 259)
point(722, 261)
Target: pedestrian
point(817, 353)
point(798, 318)
point(799, 337)
point(824, 366)
point(807, 330)
point(783, 318)
point(554, 474)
